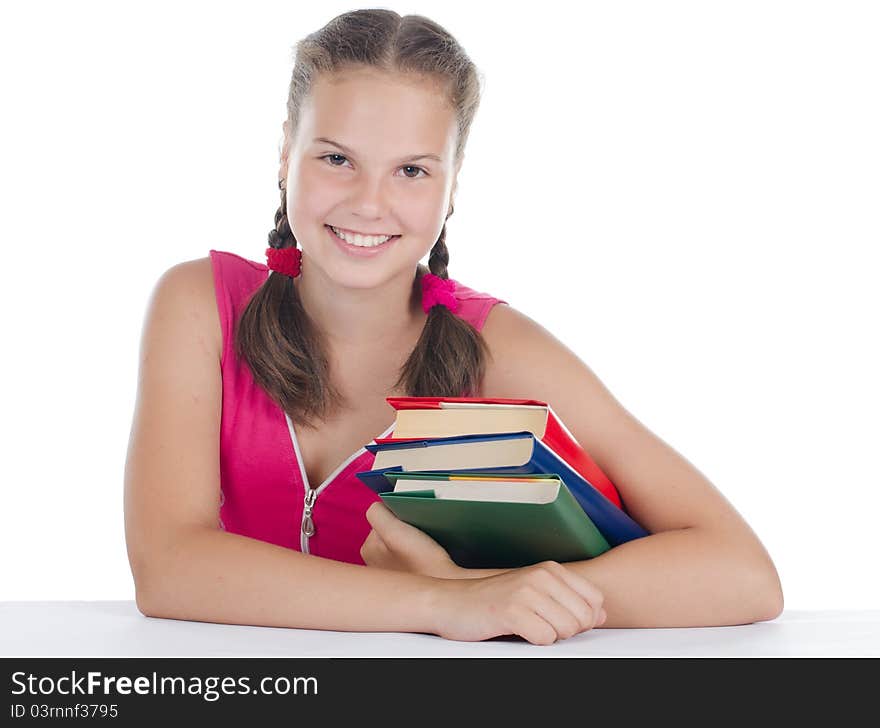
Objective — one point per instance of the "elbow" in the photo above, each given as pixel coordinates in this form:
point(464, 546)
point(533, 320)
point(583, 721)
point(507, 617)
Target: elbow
point(151, 603)
point(139, 563)
point(144, 604)
point(749, 586)
point(163, 583)
point(765, 588)
point(772, 597)
point(145, 597)
point(159, 595)
point(753, 581)
point(150, 588)
point(157, 585)
point(774, 601)
point(142, 598)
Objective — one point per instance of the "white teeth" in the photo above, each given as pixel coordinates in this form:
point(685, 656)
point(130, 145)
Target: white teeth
point(363, 241)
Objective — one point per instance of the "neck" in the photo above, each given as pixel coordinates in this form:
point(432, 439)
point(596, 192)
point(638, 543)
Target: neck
point(363, 319)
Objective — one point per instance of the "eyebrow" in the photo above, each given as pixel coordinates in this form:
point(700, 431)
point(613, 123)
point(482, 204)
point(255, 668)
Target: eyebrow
point(406, 158)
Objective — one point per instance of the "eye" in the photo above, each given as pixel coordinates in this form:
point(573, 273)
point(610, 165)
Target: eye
point(424, 172)
point(418, 169)
point(327, 156)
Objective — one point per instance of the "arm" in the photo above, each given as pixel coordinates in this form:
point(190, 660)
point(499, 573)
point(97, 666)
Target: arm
point(702, 565)
point(209, 575)
point(185, 567)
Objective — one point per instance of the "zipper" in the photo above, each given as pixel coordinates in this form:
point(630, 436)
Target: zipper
point(307, 527)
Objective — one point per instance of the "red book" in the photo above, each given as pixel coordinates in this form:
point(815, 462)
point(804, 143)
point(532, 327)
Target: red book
point(419, 418)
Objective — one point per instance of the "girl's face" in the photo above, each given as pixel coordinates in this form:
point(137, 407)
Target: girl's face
point(374, 179)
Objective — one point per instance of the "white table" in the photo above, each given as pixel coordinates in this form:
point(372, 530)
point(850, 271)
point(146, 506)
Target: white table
point(117, 629)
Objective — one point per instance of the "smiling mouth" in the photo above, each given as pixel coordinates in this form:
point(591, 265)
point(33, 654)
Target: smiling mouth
point(332, 230)
point(346, 231)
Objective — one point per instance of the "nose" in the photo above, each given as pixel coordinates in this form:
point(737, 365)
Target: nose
point(370, 197)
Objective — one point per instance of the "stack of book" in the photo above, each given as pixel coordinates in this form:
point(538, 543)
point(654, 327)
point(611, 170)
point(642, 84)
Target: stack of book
point(499, 483)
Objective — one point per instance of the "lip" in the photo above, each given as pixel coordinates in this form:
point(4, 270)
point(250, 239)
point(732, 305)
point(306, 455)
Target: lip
point(359, 252)
point(356, 232)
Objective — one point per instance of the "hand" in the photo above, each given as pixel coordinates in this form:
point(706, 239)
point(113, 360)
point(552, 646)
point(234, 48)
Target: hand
point(542, 603)
point(393, 544)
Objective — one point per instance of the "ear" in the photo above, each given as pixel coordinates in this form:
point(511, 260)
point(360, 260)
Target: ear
point(451, 205)
point(285, 149)
point(454, 186)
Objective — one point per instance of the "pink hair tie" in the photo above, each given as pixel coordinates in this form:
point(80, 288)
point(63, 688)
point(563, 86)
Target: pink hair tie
point(285, 260)
point(436, 290)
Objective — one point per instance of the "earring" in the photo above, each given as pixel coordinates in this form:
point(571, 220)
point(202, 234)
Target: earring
point(281, 184)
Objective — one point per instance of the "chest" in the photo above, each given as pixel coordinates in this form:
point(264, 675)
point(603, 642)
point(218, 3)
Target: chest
point(325, 449)
point(322, 450)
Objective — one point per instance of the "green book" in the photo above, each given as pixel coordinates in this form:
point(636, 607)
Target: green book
point(496, 521)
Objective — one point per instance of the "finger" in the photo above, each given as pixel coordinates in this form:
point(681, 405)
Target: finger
point(587, 591)
point(378, 511)
point(381, 517)
point(389, 526)
point(582, 613)
point(372, 546)
point(371, 511)
point(583, 586)
point(531, 626)
point(563, 620)
point(585, 612)
point(372, 538)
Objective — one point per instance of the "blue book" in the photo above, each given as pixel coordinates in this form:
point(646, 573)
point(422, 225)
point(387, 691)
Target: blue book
point(503, 454)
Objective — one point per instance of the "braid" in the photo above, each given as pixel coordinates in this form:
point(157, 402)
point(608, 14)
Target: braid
point(438, 260)
point(282, 235)
point(449, 358)
point(281, 345)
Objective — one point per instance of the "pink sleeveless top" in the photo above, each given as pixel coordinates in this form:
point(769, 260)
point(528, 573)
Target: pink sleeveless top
point(262, 476)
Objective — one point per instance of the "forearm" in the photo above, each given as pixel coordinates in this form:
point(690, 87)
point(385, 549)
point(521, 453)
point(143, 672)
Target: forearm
point(685, 578)
point(215, 576)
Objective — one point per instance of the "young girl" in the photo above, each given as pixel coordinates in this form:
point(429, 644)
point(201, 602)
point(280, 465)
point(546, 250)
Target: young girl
point(260, 385)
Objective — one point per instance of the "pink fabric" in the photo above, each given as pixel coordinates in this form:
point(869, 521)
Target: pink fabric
point(262, 484)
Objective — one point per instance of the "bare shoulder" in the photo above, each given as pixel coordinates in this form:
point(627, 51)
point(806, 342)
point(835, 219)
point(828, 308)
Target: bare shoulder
point(522, 352)
point(189, 286)
point(529, 362)
point(658, 486)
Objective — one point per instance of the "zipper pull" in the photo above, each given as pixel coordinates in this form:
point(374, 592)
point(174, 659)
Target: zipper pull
point(308, 526)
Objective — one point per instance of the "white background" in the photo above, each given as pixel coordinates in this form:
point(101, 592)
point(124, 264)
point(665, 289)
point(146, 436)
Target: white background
point(685, 193)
